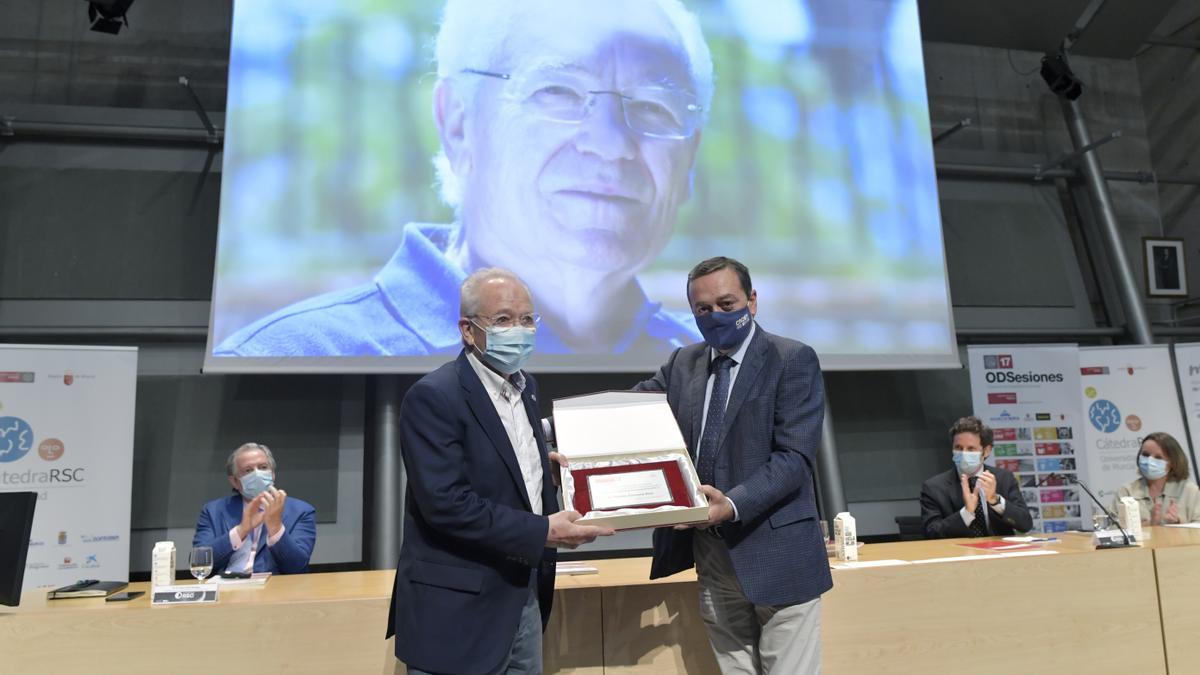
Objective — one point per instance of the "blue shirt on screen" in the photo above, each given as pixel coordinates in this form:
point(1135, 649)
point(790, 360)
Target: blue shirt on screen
point(411, 308)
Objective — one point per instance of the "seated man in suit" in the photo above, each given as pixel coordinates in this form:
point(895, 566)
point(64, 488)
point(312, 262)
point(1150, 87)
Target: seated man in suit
point(971, 500)
point(259, 529)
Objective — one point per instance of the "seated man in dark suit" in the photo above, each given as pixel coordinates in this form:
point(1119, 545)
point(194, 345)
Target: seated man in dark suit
point(972, 500)
point(260, 529)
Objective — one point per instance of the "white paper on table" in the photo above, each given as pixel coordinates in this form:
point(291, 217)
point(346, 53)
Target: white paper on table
point(572, 568)
point(1016, 554)
point(985, 556)
point(1192, 526)
point(959, 558)
point(1001, 549)
point(867, 563)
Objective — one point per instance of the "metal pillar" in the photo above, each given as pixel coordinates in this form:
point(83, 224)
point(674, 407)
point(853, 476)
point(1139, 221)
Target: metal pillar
point(1110, 231)
point(829, 472)
point(385, 472)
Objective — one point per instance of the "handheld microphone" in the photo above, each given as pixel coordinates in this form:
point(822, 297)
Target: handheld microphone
point(1102, 542)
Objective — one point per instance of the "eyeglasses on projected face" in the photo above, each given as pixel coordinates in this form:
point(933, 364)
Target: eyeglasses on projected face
point(505, 321)
point(655, 111)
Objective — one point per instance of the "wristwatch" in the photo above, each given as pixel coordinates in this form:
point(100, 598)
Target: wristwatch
point(995, 503)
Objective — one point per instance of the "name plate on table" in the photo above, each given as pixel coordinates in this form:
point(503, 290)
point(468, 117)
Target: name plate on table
point(644, 485)
point(184, 595)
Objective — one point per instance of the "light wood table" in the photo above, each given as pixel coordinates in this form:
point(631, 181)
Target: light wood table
point(312, 623)
point(1059, 610)
point(1077, 611)
point(1062, 610)
point(1177, 563)
point(644, 626)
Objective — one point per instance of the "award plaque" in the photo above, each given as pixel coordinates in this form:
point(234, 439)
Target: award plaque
point(628, 466)
point(646, 485)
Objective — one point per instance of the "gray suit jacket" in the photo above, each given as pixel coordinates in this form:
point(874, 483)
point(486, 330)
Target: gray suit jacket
point(766, 456)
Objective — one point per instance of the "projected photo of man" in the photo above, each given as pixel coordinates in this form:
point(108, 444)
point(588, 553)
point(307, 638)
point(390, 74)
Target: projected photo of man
point(569, 130)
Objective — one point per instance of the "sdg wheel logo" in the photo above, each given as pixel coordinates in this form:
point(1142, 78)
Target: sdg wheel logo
point(1105, 416)
point(16, 438)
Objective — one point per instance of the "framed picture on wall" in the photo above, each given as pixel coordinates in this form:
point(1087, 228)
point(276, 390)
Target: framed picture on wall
point(1166, 273)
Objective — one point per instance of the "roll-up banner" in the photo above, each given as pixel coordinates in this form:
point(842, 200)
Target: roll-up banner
point(1128, 391)
point(1187, 365)
point(1030, 397)
point(66, 433)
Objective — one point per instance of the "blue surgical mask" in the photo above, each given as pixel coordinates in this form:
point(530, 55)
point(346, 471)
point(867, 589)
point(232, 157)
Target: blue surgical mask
point(508, 349)
point(256, 483)
point(968, 461)
point(725, 330)
point(1152, 467)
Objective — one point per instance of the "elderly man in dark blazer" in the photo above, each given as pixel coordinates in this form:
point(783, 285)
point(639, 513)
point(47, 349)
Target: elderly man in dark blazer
point(481, 521)
point(750, 406)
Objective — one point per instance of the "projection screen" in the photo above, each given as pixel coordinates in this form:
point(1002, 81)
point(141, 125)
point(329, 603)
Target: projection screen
point(378, 151)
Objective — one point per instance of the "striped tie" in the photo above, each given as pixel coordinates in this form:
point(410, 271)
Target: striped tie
point(706, 461)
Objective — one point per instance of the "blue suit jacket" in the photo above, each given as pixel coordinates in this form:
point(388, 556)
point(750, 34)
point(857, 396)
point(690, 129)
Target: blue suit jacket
point(765, 461)
point(289, 555)
point(471, 543)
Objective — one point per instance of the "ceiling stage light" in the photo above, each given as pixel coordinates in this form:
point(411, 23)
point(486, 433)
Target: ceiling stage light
point(108, 16)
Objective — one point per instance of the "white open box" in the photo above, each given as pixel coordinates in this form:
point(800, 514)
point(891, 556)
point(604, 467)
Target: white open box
point(627, 427)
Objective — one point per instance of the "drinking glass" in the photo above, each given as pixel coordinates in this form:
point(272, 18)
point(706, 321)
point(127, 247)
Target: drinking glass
point(201, 562)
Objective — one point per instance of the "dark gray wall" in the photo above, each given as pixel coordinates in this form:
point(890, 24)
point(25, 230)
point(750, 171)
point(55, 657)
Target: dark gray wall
point(105, 235)
point(1170, 82)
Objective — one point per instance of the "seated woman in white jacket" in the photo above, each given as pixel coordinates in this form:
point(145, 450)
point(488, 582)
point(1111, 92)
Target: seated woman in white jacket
point(1165, 491)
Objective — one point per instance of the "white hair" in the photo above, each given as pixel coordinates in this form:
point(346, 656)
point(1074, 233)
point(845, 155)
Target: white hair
point(473, 35)
point(231, 462)
point(468, 293)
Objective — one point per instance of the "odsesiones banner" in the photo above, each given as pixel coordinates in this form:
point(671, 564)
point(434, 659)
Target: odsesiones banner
point(1030, 398)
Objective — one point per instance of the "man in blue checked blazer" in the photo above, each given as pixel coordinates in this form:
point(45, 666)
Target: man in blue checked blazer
point(750, 406)
point(260, 529)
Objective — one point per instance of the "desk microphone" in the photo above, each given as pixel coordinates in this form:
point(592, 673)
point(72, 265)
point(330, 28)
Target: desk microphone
point(1047, 477)
point(1102, 543)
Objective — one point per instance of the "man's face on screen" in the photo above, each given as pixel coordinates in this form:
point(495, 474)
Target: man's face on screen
point(590, 192)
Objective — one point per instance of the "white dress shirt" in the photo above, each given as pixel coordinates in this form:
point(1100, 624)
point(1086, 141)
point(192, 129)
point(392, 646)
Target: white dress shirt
point(506, 396)
point(736, 356)
point(969, 516)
